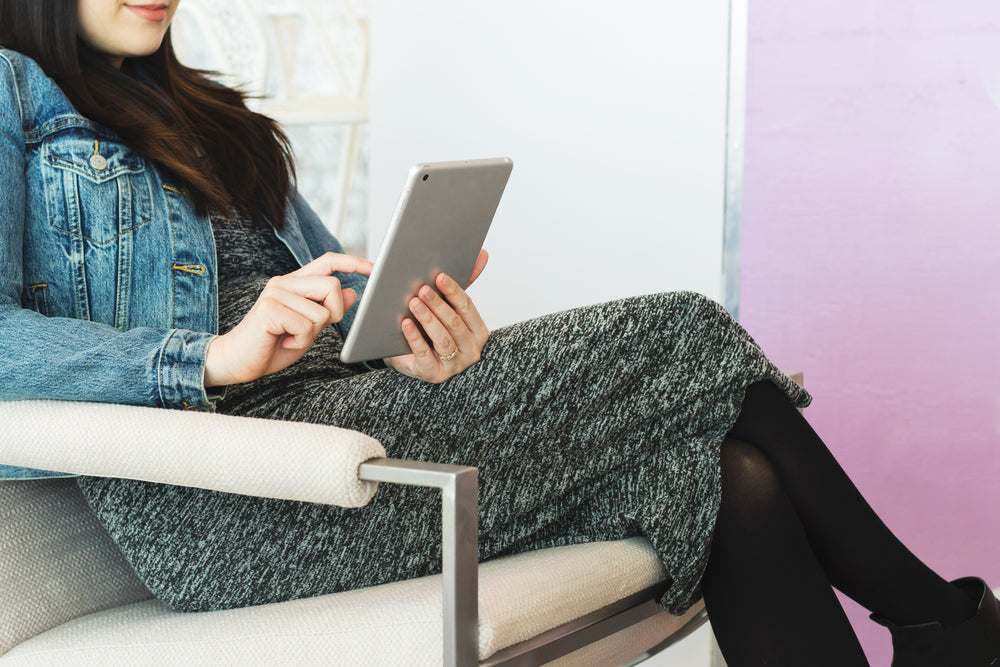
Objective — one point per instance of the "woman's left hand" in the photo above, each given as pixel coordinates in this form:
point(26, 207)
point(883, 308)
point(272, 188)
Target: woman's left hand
point(456, 330)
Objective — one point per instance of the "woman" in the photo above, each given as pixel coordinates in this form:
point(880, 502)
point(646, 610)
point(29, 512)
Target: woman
point(143, 209)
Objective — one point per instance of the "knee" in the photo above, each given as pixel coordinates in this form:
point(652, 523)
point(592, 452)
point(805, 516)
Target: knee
point(751, 486)
point(698, 317)
point(699, 305)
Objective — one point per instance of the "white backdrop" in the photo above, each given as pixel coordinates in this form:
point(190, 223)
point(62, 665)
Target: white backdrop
point(614, 115)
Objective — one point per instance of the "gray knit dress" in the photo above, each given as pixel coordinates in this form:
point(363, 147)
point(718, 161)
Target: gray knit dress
point(597, 423)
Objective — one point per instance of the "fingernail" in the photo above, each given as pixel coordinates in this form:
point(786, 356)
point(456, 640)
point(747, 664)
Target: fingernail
point(425, 292)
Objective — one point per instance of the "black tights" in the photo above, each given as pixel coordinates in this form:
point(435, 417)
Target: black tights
point(792, 524)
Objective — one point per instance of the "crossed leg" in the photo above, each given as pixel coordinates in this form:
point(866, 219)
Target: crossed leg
point(791, 525)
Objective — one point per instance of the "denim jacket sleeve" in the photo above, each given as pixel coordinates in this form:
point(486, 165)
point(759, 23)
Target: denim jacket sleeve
point(76, 359)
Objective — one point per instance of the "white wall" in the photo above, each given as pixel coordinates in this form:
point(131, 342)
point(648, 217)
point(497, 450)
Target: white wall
point(614, 115)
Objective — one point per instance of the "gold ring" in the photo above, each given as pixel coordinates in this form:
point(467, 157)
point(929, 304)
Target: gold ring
point(450, 356)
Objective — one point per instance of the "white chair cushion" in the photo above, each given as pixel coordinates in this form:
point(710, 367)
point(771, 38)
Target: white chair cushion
point(57, 562)
point(395, 624)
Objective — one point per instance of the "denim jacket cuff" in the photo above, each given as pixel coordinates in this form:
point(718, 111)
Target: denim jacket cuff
point(181, 371)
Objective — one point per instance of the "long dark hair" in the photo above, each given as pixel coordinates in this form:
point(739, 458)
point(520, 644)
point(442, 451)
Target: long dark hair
point(228, 157)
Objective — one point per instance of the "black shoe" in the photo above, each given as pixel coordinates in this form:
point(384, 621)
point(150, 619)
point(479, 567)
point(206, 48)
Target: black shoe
point(972, 643)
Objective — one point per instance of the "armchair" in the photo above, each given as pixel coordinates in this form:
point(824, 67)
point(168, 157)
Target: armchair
point(67, 595)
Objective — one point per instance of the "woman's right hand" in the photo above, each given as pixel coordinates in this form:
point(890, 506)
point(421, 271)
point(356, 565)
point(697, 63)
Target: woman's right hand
point(283, 323)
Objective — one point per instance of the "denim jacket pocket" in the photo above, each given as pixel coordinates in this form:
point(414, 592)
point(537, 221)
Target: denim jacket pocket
point(95, 189)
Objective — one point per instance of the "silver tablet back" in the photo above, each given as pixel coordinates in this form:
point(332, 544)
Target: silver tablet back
point(439, 225)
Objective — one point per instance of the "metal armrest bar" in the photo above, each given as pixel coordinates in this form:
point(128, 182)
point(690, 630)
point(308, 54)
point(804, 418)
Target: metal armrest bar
point(459, 545)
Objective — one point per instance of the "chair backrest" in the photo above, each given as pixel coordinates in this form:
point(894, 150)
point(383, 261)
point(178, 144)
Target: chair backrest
point(57, 562)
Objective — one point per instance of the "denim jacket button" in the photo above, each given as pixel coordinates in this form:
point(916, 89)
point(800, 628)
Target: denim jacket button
point(98, 162)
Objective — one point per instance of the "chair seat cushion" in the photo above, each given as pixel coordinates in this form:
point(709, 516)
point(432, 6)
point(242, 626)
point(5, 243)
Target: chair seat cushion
point(520, 596)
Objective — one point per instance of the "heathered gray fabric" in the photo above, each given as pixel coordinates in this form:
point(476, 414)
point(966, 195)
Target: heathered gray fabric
point(597, 423)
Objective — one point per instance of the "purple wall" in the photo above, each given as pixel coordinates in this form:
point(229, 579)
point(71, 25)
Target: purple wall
point(871, 254)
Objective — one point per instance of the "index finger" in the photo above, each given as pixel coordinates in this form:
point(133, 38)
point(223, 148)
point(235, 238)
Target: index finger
point(332, 262)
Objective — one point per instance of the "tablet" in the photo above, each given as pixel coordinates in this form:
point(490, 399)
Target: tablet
point(439, 225)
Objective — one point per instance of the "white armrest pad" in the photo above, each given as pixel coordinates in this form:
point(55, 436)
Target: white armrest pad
point(259, 457)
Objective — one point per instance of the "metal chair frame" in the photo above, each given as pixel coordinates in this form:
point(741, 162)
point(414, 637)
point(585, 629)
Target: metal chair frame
point(460, 536)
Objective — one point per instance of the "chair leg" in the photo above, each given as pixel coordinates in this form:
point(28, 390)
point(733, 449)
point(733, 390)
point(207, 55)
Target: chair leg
point(459, 546)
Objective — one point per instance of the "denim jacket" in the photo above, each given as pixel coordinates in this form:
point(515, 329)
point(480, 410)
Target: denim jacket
point(108, 285)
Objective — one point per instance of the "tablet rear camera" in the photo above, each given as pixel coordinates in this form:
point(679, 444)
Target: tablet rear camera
point(426, 176)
